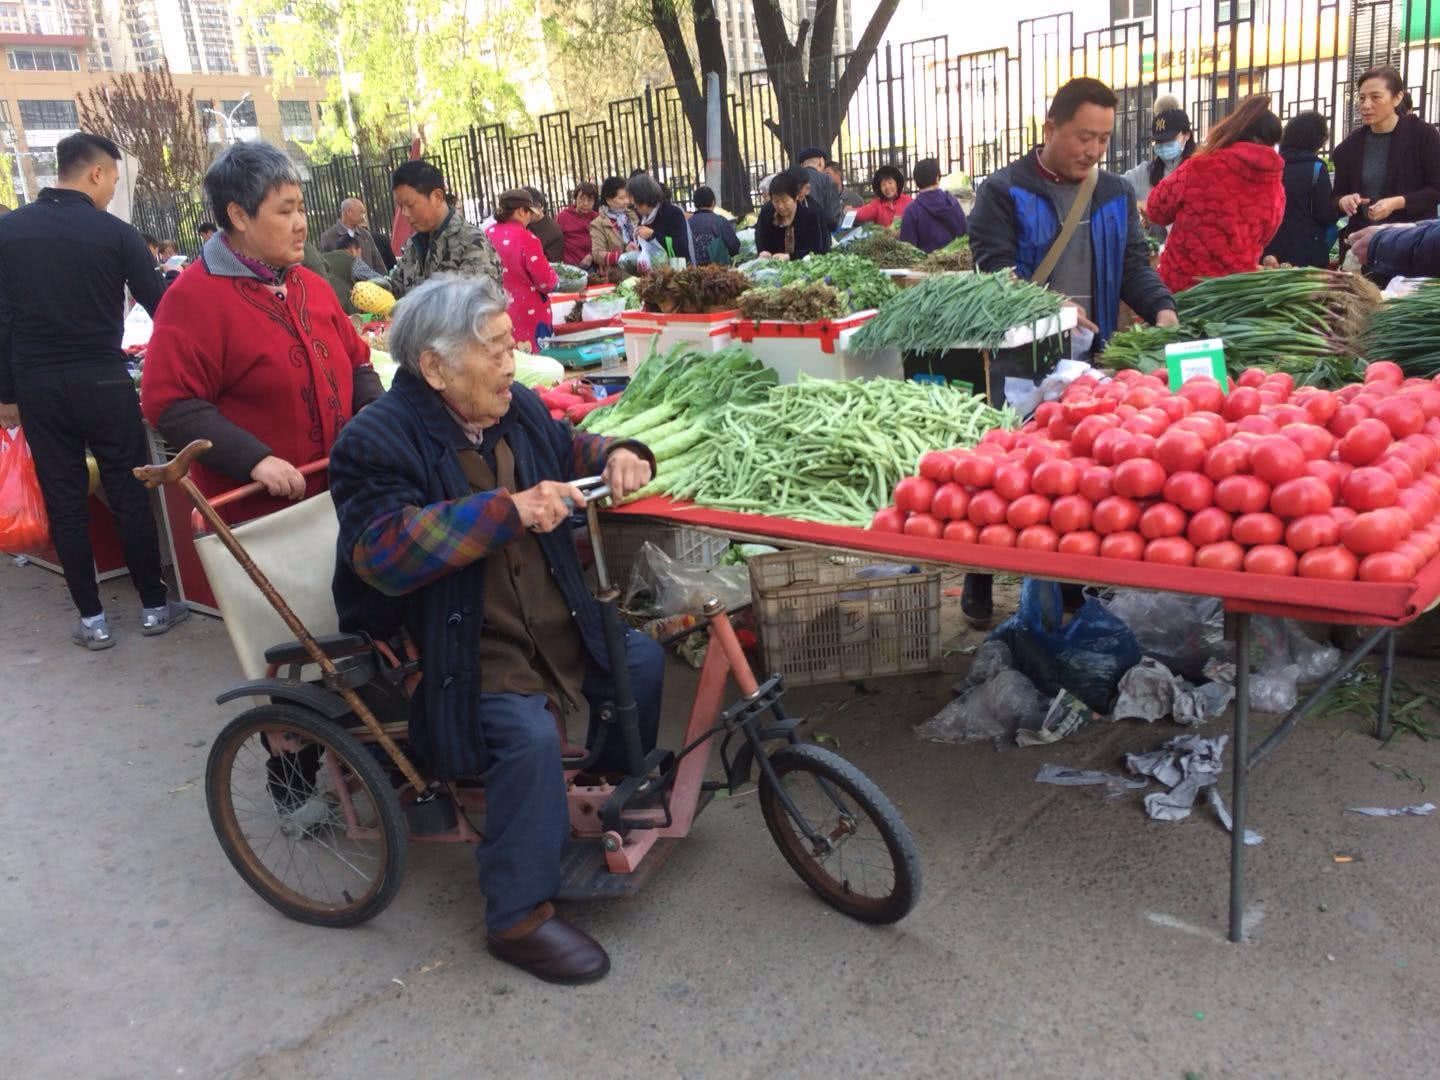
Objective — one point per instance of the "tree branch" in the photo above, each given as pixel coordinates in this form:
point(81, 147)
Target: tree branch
point(774, 41)
point(859, 61)
point(822, 44)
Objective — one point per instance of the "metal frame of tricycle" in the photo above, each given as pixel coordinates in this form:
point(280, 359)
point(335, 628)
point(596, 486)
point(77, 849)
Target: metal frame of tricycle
point(760, 529)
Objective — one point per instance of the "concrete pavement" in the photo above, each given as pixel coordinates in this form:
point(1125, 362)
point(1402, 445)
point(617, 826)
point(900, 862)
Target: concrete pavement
point(1060, 933)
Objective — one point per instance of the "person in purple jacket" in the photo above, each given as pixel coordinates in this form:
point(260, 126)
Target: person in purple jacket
point(934, 219)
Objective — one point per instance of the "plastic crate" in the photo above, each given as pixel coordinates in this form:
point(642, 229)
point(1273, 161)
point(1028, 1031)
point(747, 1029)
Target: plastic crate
point(623, 539)
point(649, 333)
point(820, 621)
point(821, 349)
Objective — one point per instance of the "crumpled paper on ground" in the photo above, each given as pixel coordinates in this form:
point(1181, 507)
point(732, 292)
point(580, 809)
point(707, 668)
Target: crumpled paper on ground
point(1066, 715)
point(1418, 810)
point(1187, 765)
point(1151, 691)
point(1064, 776)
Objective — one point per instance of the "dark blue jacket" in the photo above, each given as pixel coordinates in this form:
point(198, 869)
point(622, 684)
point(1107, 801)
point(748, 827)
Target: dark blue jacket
point(933, 219)
point(1015, 221)
point(706, 227)
point(1408, 252)
point(399, 452)
point(1303, 238)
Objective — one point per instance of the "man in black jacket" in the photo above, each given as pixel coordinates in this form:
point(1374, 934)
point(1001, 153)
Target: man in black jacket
point(824, 195)
point(64, 266)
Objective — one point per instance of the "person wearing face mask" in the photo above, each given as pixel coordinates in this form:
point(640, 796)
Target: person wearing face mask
point(1174, 143)
point(252, 350)
point(454, 494)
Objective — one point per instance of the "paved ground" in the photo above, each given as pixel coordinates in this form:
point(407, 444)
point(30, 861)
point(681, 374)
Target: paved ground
point(1060, 934)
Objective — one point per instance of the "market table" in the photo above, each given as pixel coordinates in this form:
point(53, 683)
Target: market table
point(1383, 607)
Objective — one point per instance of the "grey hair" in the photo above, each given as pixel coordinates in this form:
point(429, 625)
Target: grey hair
point(244, 174)
point(443, 315)
point(645, 190)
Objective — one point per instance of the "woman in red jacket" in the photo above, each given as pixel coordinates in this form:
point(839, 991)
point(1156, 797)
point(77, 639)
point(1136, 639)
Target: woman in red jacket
point(890, 199)
point(1226, 202)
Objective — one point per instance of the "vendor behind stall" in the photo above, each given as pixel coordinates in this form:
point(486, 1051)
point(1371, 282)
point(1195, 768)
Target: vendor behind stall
point(251, 350)
point(788, 227)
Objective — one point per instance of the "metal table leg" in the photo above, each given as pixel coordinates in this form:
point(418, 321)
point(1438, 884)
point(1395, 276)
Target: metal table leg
point(1387, 676)
point(1239, 755)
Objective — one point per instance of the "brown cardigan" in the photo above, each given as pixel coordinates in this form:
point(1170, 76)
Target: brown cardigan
point(1414, 170)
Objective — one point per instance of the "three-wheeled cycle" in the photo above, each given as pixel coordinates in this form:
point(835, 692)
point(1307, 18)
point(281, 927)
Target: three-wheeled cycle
point(313, 797)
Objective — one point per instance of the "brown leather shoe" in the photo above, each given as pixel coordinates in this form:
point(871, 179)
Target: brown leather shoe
point(552, 950)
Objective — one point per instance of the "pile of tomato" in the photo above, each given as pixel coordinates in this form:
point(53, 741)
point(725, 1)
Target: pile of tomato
point(1267, 478)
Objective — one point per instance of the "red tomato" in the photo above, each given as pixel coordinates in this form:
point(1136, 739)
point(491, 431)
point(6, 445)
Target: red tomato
point(1224, 555)
point(987, 508)
point(1123, 545)
point(1116, 514)
point(1345, 419)
point(1312, 531)
point(1105, 444)
point(1208, 425)
point(1012, 481)
point(1314, 441)
point(1402, 415)
point(926, 525)
point(1384, 371)
point(1080, 543)
point(1209, 526)
point(1161, 520)
point(1387, 566)
point(1131, 445)
point(1204, 393)
point(1420, 503)
point(1411, 456)
point(1429, 400)
point(1364, 442)
point(1275, 459)
point(1039, 453)
point(963, 531)
point(1376, 530)
point(1150, 422)
point(1251, 377)
point(1257, 425)
point(1285, 415)
point(914, 494)
point(1192, 491)
point(1142, 397)
point(1001, 437)
point(1038, 538)
point(990, 450)
point(1242, 494)
point(1252, 529)
point(1243, 401)
point(1139, 478)
point(1398, 469)
point(1227, 459)
point(950, 502)
point(888, 520)
point(1424, 445)
point(998, 536)
point(1071, 513)
point(1175, 407)
point(1271, 559)
point(1171, 550)
point(1369, 489)
point(1343, 514)
point(937, 466)
point(1304, 495)
point(1348, 393)
point(1328, 472)
point(1279, 381)
point(976, 471)
point(1320, 404)
point(1180, 451)
point(1083, 441)
point(1097, 482)
point(1333, 563)
point(1056, 478)
point(1027, 510)
point(1046, 412)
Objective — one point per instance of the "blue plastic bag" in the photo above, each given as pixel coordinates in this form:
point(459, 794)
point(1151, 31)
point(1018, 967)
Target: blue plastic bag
point(1086, 656)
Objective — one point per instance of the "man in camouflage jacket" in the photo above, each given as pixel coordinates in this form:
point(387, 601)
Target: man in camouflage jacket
point(443, 243)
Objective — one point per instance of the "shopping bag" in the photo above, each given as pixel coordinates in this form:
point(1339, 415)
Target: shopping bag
point(24, 525)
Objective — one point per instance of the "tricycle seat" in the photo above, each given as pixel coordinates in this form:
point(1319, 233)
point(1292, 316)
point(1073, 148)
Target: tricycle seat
point(332, 645)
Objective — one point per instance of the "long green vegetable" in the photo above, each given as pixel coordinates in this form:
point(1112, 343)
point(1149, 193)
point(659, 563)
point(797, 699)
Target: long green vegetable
point(958, 309)
point(823, 450)
point(1407, 331)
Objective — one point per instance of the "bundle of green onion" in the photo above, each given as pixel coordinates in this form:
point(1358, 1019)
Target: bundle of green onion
point(948, 310)
point(1407, 331)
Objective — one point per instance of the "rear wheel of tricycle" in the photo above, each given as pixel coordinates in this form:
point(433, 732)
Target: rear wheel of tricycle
point(306, 815)
point(865, 863)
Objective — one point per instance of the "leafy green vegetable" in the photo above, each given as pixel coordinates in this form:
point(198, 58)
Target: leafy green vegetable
point(859, 281)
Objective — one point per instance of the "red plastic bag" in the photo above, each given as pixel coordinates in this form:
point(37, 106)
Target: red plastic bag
point(24, 525)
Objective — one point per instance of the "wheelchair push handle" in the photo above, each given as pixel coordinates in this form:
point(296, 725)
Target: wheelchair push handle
point(594, 488)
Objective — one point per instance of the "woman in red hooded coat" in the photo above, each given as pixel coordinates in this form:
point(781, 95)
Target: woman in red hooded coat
point(1225, 203)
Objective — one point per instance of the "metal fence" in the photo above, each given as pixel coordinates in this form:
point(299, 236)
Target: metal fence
point(973, 111)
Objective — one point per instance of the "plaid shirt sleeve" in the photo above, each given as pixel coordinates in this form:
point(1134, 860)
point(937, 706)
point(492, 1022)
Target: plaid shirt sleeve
point(589, 453)
point(409, 548)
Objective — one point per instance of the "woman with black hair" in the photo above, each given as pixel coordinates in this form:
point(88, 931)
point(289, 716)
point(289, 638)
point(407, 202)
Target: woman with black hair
point(1388, 170)
point(1174, 139)
point(1304, 235)
point(1226, 202)
point(612, 232)
point(789, 228)
point(890, 199)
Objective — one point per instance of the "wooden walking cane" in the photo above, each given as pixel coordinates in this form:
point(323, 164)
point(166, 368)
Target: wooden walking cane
point(177, 471)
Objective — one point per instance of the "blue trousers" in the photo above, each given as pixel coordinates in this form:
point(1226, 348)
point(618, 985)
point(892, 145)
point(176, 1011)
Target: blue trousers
point(527, 821)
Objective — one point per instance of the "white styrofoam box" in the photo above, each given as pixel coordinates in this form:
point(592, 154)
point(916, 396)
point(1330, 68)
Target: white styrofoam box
point(561, 304)
point(821, 349)
point(649, 333)
point(1067, 320)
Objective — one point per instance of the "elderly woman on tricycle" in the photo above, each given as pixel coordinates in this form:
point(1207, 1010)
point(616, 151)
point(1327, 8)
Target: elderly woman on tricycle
point(454, 493)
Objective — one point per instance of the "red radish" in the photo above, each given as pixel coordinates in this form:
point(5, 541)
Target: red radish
point(1080, 543)
point(914, 494)
point(1171, 550)
point(1123, 545)
point(926, 525)
point(1225, 555)
point(1271, 559)
point(1333, 563)
point(963, 531)
point(1209, 526)
point(888, 520)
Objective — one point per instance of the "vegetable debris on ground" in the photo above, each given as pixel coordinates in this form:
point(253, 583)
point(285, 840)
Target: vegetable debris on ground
point(958, 309)
point(792, 303)
point(822, 450)
point(1407, 331)
point(693, 291)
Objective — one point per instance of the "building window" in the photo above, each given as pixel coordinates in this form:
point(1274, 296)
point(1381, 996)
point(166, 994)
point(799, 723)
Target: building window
point(297, 121)
point(43, 60)
point(55, 115)
point(1122, 11)
point(241, 113)
point(1239, 10)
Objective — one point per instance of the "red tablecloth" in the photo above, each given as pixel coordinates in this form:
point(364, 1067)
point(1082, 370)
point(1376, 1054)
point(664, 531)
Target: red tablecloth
point(1355, 602)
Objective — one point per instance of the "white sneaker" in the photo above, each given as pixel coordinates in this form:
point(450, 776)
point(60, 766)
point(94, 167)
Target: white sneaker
point(95, 637)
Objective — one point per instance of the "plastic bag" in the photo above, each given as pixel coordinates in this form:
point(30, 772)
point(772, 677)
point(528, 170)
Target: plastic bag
point(671, 587)
point(1182, 632)
point(653, 256)
point(992, 710)
point(1282, 644)
point(1275, 691)
point(603, 308)
point(24, 525)
point(1086, 656)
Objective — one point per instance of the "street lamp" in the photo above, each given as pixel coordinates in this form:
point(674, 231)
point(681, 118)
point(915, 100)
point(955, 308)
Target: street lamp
point(228, 119)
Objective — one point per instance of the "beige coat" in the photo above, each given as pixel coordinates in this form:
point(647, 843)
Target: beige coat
point(606, 246)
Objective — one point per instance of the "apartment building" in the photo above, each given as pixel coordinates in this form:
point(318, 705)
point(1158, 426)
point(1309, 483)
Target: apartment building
point(742, 42)
point(56, 49)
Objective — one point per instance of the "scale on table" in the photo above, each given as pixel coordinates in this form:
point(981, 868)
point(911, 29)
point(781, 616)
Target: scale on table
point(587, 348)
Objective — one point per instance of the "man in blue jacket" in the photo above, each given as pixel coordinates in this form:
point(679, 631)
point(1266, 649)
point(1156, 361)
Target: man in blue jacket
point(1019, 211)
point(1389, 251)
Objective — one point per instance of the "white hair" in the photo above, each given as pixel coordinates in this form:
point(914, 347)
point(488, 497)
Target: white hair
point(444, 315)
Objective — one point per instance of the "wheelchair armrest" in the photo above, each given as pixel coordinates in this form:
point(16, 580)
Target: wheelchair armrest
point(332, 645)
